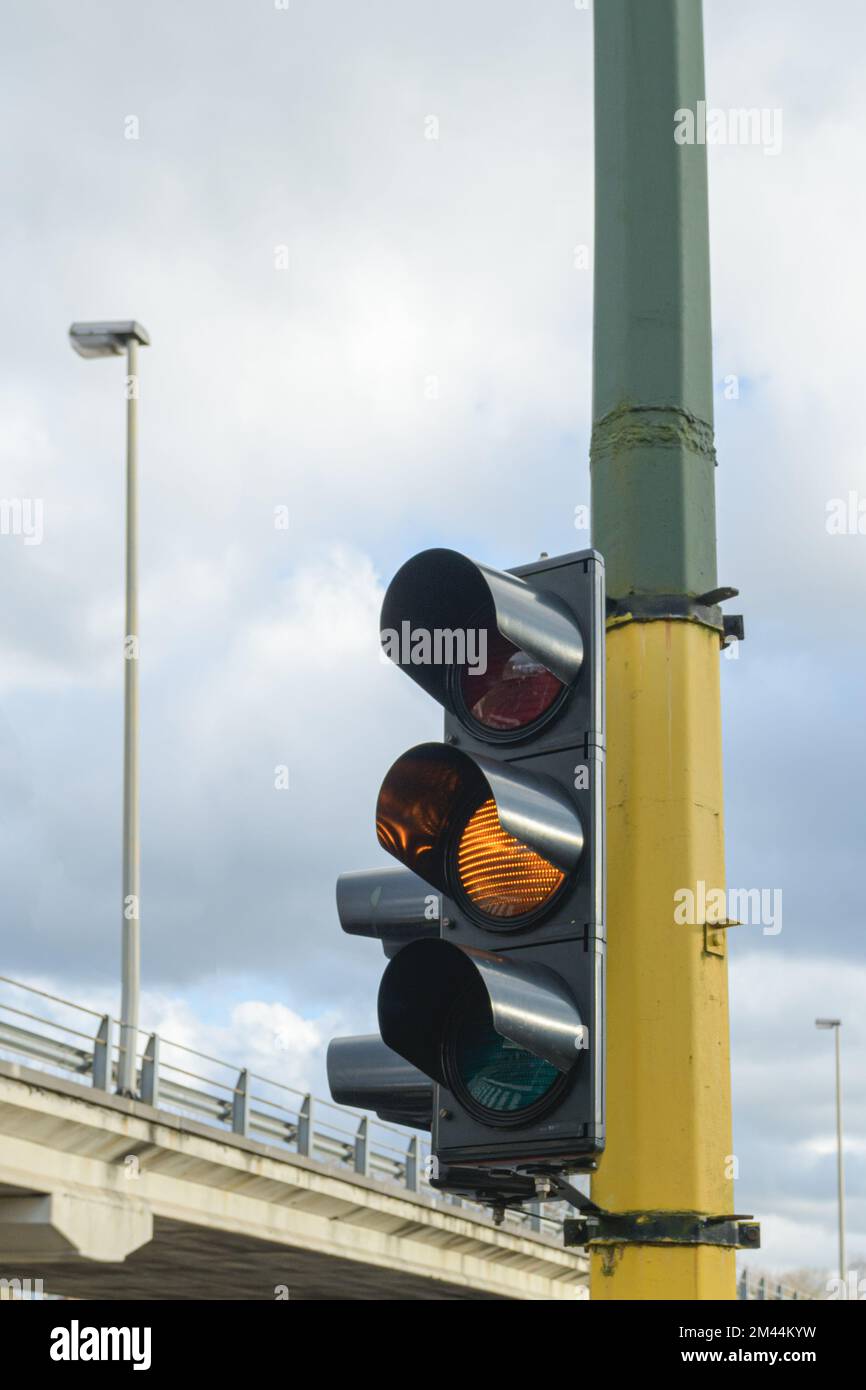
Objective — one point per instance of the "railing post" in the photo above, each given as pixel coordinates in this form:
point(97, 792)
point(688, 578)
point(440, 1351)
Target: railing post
point(150, 1072)
point(362, 1148)
point(102, 1045)
point(305, 1127)
point(413, 1166)
point(241, 1105)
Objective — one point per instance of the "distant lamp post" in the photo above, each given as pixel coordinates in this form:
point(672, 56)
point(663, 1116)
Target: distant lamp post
point(112, 340)
point(836, 1024)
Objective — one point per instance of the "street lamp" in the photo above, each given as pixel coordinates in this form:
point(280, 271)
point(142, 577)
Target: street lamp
point(112, 339)
point(836, 1024)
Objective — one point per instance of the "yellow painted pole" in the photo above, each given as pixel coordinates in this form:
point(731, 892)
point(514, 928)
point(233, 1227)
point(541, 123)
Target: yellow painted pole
point(668, 1070)
point(653, 480)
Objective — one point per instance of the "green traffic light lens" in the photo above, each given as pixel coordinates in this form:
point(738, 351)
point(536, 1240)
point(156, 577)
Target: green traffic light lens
point(501, 1077)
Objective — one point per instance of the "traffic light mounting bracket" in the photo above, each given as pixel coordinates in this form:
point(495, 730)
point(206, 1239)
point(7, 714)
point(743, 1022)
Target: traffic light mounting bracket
point(505, 1189)
point(599, 1227)
point(704, 610)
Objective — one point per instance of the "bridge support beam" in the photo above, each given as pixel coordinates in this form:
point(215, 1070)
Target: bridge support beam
point(64, 1226)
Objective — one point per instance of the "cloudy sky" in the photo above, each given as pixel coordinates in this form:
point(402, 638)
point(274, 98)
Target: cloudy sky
point(389, 336)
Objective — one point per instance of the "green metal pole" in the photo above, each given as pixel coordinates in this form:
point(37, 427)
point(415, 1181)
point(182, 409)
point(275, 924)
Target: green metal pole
point(652, 455)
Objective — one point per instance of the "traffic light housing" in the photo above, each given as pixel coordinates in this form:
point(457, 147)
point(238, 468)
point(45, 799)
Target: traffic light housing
point(362, 1071)
point(395, 907)
point(502, 1006)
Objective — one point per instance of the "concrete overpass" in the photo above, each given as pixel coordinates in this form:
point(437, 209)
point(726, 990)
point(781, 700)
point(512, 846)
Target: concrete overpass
point(110, 1198)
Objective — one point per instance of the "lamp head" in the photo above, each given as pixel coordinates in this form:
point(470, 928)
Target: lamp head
point(106, 339)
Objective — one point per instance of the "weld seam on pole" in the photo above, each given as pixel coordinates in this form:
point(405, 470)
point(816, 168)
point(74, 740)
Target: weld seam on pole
point(651, 427)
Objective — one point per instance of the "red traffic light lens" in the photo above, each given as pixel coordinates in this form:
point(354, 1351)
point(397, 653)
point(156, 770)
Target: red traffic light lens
point(502, 877)
point(513, 692)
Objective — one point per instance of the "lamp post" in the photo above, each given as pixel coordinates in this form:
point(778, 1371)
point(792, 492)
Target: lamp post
point(112, 340)
point(836, 1024)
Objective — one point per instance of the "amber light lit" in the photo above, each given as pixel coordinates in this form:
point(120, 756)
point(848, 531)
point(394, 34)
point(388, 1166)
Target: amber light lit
point(501, 876)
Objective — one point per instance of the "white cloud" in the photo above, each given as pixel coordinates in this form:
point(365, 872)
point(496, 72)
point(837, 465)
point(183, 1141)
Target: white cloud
point(271, 1041)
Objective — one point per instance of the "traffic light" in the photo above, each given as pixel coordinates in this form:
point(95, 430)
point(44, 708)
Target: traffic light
point(494, 987)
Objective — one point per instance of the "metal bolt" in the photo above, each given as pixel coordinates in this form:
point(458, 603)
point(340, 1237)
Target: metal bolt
point(445, 1114)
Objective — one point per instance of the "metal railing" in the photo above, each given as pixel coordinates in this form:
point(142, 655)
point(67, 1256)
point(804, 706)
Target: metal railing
point(758, 1286)
point(176, 1078)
